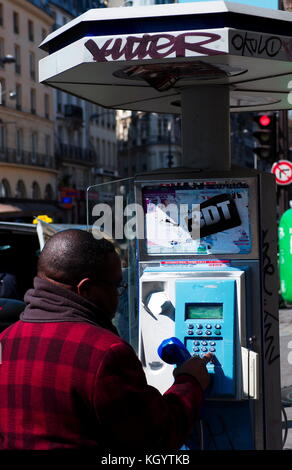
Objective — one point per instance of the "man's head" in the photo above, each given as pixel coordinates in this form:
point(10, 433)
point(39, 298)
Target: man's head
point(77, 261)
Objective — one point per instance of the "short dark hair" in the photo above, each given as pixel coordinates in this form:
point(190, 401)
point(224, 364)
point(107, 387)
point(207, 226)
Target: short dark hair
point(72, 255)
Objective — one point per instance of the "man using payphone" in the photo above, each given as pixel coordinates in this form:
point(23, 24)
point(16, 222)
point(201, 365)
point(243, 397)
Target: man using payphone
point(206, 274)
point(87, 384)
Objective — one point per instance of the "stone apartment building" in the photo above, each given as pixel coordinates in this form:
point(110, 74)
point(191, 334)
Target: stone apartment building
point(85, 134)
point(52, 144)
point(28, 172)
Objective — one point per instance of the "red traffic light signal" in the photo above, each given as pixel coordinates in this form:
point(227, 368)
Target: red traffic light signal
point(264, 120)
point(266, 136)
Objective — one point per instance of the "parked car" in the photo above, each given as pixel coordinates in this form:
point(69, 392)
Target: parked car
point(10, 311)
point(19, 251)
point(20, 246)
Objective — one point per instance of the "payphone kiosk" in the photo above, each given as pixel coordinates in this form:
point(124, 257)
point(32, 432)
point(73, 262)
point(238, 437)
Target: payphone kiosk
point(207, 265)
point(207, 277)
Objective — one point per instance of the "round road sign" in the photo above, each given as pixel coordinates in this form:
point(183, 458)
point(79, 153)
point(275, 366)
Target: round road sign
point(282, 171)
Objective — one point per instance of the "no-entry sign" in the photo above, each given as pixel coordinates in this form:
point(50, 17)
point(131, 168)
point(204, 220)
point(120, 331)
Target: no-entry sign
point(282, 171)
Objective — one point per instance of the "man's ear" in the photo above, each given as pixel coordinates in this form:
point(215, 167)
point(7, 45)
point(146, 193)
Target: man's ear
point(84, 287)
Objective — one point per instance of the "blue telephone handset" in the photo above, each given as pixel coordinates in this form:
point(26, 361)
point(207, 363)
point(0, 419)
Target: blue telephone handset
point(173, 351)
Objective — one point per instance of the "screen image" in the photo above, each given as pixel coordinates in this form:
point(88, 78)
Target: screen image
point(196, 311)
point(198, 217)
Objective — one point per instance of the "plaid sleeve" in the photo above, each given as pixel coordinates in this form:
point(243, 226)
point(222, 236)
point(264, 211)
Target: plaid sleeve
point(134, 415)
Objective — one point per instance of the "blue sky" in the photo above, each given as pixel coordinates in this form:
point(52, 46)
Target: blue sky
point(256, 3)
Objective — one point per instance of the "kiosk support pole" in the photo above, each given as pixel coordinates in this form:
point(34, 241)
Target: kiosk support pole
point(206, 127)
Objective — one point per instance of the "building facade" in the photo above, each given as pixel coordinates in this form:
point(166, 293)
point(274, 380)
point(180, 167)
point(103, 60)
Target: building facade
point(85, 134)
point(147, 141)
point(28, 171)
point(52, 144)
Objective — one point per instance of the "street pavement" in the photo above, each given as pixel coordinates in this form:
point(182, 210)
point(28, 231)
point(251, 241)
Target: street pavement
point(285, 319)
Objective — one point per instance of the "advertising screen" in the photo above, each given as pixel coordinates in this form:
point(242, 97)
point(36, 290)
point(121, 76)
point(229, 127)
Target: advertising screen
point(199, 217)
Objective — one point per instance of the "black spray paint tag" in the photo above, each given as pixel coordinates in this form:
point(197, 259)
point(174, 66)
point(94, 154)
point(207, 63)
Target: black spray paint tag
point(215, 215)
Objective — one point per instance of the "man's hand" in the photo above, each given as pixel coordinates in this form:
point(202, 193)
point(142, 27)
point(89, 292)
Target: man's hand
point(196, 367)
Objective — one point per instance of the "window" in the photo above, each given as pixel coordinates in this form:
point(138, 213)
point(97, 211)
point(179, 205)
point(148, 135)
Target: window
point(5, 190)
point(32, 66)
point(2, 53)
point(79, 138)
point(54, 15)
point(114, 154)
point(1, 15)
point(17, 59)
point(162, 128)
point(108, 119)
point(60, 134)
point(15, 22)
point(19, 144)
point(33, 101)
point(18, 97)
point(113, 120)
point(59, 101)
point(109, 155)
point(162, 156)
point(30, 30)
point(97, 150)
point(36, 191)
point(103, 153)
point(2, 91)
point(2, 138)
point(47, 149)
point(47, 106)
point(34, 146)
point(20, 189)
point(49, 192)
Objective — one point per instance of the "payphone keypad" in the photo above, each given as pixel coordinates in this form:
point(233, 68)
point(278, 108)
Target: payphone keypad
point(204, 346)
point(206, 334)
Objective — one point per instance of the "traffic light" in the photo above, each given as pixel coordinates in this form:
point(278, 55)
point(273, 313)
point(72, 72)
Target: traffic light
point(266, 136)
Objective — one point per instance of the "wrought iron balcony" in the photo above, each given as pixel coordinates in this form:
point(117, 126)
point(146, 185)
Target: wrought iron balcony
point(24, 157)
point(72, 153)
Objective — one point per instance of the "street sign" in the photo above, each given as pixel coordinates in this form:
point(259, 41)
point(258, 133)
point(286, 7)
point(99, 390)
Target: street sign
point(283, 172)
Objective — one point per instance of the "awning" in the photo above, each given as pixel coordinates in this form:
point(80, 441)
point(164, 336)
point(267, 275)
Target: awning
point(29, 209)
point(8, 209)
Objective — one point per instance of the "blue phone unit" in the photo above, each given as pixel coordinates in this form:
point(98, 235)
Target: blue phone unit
point(205, 322)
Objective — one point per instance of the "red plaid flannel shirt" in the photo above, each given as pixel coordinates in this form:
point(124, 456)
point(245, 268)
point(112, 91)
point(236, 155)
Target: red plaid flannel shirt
point(76, 385)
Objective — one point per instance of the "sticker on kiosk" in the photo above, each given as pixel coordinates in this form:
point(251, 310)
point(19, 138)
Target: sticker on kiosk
point(197, 218)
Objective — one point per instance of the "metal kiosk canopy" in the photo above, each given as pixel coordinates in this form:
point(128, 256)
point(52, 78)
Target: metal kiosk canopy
point(198, 59)
point(141, 58)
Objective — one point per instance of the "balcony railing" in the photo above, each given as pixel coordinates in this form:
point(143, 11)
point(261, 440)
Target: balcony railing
point(72, 153)
point(24, 157)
